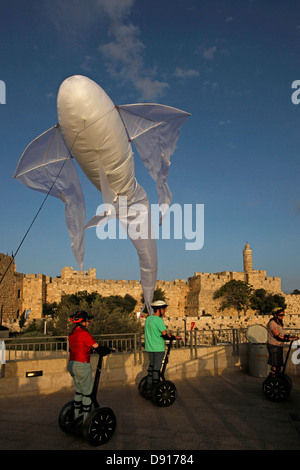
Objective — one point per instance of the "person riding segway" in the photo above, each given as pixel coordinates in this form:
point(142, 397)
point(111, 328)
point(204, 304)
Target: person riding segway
point(154, 386)
point(277, 385)
point(76, 416)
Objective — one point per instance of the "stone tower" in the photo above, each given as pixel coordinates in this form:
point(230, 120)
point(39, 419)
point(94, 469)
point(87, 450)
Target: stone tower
point(247, 257)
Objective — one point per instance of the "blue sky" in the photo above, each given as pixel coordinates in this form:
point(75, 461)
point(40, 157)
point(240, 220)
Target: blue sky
point(231, 64)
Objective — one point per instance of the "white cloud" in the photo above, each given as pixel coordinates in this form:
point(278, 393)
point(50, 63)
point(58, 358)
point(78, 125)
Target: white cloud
point(70, 18)
point(226, 122)
point(149, 89)
point(116, 9)
point(186, 73)
point(209, 86)
point(209, 52)
point(87, 64)
point(123, 55)
point(125, 50)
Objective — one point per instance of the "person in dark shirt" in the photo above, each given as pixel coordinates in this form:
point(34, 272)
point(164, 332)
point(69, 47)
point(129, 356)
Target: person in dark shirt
point(276, 339)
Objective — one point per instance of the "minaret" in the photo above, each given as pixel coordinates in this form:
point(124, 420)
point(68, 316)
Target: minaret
point(247, 257)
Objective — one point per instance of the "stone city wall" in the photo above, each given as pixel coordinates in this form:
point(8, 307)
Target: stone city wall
point(202, 286)
point(214, 322)
point(72, 281)
point(193, 298)
point(11, 289)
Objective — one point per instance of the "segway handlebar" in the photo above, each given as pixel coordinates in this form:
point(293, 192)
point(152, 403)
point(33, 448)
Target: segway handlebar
point(170, 338)
point(167, 337)
point(103, 350)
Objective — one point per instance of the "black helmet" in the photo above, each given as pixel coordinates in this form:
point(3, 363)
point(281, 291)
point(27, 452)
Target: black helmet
point(277, 310)
point(80, 316)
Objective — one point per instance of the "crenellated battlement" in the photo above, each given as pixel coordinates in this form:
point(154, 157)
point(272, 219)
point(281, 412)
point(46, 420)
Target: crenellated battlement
point(70, 273)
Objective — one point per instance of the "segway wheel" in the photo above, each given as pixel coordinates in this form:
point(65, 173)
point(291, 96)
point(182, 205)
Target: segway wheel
point(288, 379)
point(143, 389)
point(99, 426)
point(66, 416)
point(276, 388)
point(164, 393)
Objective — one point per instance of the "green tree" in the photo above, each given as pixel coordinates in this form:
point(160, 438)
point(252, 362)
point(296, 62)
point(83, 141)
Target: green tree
point(49, 309)
point(236, 294)
point(112, 314)
point(22, 320)
point(296, 292)
point(159, 294)
point(264, 302)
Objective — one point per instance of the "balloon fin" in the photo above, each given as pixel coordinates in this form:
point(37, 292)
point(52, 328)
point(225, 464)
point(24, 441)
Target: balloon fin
point(47, 166)
point(154, 129)
point(100, 218)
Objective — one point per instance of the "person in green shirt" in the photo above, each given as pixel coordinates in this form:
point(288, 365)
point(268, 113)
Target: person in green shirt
point(155, 337)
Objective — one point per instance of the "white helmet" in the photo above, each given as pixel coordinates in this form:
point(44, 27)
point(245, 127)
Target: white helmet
point(159, 304)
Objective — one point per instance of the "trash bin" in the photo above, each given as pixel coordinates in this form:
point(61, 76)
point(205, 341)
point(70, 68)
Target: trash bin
point(258, 352)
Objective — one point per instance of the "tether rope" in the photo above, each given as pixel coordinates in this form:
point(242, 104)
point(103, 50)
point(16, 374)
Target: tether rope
point(35, 217)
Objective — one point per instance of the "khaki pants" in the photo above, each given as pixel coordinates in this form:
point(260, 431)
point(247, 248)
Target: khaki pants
point(82, 375)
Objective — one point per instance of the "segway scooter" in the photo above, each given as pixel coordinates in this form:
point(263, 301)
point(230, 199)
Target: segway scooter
point(278, 387)
point(164, 393)
point(100, 425)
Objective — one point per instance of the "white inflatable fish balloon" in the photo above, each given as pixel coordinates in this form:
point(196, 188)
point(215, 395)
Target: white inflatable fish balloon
point(98, 135)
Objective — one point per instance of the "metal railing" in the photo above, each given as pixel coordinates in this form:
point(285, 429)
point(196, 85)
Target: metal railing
point(124, 342)
point(35, 348)
point(57, 346)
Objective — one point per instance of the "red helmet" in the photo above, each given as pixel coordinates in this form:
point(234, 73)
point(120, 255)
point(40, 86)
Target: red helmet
point(80, 316)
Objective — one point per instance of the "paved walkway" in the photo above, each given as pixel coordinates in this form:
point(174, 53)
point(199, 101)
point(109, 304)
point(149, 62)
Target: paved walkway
point(227, 412)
